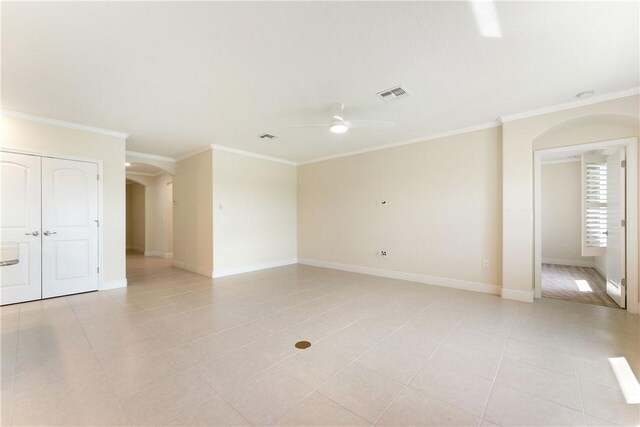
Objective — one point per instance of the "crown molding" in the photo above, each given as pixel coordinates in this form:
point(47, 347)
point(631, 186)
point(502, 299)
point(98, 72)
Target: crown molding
point(250, 154)
point(193, 153)
point(460, 131)
point(61, 123)
point(570, 105)
point(150, 156)
point(142, 173)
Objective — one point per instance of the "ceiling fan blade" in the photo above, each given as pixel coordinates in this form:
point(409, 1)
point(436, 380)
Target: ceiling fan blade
point(369, 124)
point(309, 126)
point(337, 109)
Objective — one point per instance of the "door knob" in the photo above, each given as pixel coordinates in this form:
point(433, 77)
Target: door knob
point(35, 233)
point(48, 233)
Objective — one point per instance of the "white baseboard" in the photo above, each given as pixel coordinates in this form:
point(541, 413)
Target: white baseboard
point(601, 272)
point(412, 277)
point(523, 296)
point(166, 255)
point(192, 268)
point(255, 267)
point(571, 262)
point(113, 284)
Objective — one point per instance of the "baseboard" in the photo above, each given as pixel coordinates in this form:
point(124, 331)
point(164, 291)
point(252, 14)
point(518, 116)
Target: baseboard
point(113, 284)
point(192, 268)
point(166, 255)
point(136, 249)
point(255, 267)
point(600, 271)
point(523, 296)
point(412, 277)
point(571, 262)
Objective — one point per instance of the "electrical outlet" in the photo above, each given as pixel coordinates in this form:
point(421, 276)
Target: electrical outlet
point(382, 203)
point(485, 263)
point(382, 253)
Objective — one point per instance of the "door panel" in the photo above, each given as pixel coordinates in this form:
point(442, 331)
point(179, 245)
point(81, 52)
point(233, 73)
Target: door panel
point(616, 241)
point(70, 229)
point(20, 241)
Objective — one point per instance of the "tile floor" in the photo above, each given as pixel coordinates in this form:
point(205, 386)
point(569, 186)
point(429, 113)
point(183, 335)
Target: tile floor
point(561, 282)
point(175, 348)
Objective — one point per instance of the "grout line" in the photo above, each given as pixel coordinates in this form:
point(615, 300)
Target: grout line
point(577, 378)
point(316, 389)
point(495, 377)
point(15, 367)
point(384, 411)
point(93, 353)
point(250, 343)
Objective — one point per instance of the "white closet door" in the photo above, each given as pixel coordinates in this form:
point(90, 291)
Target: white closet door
point(70, 228)
point(20, 242)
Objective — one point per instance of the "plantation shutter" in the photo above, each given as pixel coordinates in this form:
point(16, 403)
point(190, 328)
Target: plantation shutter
point(594, 204)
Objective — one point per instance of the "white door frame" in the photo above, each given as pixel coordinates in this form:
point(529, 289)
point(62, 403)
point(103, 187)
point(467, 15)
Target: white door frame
point(631, 228)
point(100, 199)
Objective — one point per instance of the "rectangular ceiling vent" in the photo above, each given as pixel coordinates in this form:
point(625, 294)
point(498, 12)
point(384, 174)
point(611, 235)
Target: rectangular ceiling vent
point(393, 93)
point(267, 136)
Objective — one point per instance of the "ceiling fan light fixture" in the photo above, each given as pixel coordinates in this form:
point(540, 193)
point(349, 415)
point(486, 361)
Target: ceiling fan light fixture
point(339, 128)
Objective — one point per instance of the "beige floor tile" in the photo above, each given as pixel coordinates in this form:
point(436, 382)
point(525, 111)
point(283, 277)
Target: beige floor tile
point(231, 368)
point(214, 412)
point(553, 386)
point(414, 408)
point(540, 356)
point(363, 391)
point(266, 397)
point(465, 391)
point(456, 357)
point(66, 374)
point(315, 365)
point(608, 404)
point(596, 370)
point(400, 356)
point(160, 401)
point(131, 373)
point(98, 407)
point(509, 407)
point(166, 341)
point(318, 410)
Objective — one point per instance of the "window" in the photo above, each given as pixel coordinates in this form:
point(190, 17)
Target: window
point(594, 204)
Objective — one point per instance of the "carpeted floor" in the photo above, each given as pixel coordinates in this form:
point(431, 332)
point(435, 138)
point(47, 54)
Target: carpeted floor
point(577, 284)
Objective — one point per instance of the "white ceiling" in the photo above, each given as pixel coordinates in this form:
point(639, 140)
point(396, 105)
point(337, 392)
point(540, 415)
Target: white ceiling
point(179, 76)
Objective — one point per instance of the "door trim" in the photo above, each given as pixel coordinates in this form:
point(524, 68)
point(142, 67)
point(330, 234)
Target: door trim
point(101, 282)
point(631, 229)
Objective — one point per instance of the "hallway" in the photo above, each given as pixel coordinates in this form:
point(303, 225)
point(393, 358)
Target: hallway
point(576, 284)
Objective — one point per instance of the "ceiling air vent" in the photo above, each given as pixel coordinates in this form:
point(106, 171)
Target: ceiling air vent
point(393, 93)
point(267, 136)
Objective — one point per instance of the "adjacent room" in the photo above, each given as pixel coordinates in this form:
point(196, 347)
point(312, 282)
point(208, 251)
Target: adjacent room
point(320, 213)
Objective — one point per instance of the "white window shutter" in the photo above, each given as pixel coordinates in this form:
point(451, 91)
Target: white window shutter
point(594, 204)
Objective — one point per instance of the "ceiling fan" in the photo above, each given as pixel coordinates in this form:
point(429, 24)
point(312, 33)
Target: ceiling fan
point(339, 125)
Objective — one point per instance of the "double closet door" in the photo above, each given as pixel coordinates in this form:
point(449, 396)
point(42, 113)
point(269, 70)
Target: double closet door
point(48, 227)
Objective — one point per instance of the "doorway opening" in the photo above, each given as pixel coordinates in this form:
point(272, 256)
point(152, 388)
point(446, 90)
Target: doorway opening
point(586, 241)
point(149, 219)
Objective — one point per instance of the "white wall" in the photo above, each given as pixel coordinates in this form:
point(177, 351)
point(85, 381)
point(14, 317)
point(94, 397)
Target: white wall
point(254, 213)
point(160, 220)
point(442, 217)
point(43, 138)
point(193, 214)
point(561, 214)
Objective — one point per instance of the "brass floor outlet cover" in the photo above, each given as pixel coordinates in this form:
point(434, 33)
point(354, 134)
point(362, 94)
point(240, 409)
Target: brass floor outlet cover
point(303, 344)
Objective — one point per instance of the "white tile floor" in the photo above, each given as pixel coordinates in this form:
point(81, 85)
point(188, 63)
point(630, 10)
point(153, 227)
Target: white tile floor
point(175, 348)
